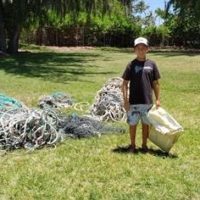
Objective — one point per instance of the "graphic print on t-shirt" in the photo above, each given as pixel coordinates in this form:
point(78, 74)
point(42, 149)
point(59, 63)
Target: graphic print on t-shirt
point(138, 69)
point(148, 68)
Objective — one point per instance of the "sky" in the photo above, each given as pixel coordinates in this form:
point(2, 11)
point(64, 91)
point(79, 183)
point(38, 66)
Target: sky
point(155, 4)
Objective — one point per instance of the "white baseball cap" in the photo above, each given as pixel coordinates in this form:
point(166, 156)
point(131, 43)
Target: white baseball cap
point(141, 40)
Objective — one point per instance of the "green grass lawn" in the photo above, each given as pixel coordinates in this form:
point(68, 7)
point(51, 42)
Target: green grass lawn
point(95, 168)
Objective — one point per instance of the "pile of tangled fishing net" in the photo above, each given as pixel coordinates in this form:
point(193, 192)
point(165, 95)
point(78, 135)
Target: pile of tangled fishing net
point(61, 100)
point(108, 105)
point(56, 100)
point(28, 128)
point(21, 126)
point(34, 128)
point(83, 126)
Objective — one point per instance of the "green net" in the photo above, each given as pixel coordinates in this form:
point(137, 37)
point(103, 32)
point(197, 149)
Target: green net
point(7, 103)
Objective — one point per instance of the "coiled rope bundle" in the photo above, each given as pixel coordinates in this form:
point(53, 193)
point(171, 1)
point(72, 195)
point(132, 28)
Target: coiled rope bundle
point(28, 128)
point(108, 105)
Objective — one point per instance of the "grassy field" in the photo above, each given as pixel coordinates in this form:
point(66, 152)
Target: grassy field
point(98, 168)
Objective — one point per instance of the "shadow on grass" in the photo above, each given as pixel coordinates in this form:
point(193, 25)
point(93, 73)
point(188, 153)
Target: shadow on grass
point(56, 67)
point(155, 152)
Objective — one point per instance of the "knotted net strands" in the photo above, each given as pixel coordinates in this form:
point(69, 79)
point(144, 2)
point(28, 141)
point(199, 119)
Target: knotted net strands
point(56, 100)
point(28, 128)
point(33, 129)
point(60, 100)
point(7, 103)
point(22, 127)
point(84, 126)
point(108, 103)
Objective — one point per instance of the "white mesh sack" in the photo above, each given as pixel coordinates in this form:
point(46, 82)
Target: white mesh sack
point(164, 129)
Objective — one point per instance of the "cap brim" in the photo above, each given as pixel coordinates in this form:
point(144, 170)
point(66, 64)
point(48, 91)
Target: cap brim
point(141, 43)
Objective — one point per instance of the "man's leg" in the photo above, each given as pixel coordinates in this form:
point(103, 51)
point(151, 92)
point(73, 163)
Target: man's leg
point(133, 117)
point(132, 131)
point(145, 135)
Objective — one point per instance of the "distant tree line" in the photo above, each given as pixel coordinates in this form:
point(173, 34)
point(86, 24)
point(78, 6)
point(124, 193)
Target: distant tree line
point(97, 23)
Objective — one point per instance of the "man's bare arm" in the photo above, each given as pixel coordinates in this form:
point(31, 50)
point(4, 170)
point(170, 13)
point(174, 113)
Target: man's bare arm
point(156, 88)
point(125, 94)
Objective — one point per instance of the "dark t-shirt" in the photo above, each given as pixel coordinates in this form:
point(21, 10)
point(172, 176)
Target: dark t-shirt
point(141, 75)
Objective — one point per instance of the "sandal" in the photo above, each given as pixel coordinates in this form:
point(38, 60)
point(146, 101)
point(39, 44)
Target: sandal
point(145, 149)
point(132, 149)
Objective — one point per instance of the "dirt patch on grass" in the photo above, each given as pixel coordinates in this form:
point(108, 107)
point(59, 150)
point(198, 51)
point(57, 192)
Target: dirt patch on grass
point(68, 49)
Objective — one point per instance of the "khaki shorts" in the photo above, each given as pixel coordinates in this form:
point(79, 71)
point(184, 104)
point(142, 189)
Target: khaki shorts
point(138, 112)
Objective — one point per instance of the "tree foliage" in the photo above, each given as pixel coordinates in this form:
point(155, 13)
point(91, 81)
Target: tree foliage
point(17, 14)
point(183, 22)
point(97, 22)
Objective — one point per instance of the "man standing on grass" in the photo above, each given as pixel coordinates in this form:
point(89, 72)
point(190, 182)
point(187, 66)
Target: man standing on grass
point(140, 79)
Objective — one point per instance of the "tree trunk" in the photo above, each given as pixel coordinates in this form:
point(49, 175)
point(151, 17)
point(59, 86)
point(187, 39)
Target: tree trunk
point(2, 31)
point(13, 39)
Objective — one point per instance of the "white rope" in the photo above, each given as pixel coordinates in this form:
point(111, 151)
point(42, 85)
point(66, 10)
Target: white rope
point(28, 128)
point(108, 104)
